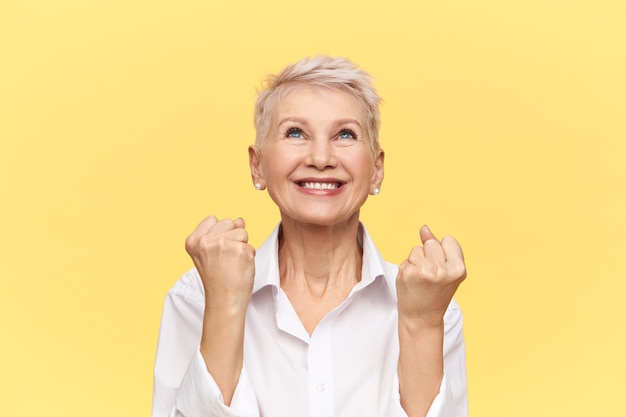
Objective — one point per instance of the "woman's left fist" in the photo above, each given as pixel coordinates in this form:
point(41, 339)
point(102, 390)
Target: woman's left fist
point(428, 279)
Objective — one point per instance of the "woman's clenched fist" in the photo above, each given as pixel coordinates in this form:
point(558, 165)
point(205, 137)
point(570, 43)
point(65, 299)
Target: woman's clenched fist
point(428, 279)
point(225, 261)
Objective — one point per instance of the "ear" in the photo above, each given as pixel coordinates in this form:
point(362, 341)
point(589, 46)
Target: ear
point(379, 170)
point(254, 157)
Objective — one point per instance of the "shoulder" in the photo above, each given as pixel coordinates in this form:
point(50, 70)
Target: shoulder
point(188, 287)
point(453, 316)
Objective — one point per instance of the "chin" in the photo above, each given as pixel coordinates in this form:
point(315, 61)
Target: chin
point(323, 219)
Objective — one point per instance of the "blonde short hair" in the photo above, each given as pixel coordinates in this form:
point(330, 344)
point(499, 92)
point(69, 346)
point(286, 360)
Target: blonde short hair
point(321, 72)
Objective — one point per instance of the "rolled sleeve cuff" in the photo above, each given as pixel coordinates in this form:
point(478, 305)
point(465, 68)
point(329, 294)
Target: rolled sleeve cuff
point(444, 404)
point(199, 395)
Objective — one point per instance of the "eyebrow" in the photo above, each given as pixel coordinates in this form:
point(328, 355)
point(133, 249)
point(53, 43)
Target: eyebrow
point(305, 122)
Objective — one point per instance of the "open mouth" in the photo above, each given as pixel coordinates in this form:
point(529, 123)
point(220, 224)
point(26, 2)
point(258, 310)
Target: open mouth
point(320, 185)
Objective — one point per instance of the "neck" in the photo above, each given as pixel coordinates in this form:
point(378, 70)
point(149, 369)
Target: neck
point(318, 259)
point(319, 266)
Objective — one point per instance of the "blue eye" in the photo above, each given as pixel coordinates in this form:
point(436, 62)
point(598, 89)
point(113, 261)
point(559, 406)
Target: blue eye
point(347, 134)
point(294, 132)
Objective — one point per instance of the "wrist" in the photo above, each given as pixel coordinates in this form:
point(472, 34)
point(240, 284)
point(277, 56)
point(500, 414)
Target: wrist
point(226, 302)
point(420, 324)
point(223, 310)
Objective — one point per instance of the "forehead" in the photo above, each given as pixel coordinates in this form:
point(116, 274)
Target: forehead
point(319, 104)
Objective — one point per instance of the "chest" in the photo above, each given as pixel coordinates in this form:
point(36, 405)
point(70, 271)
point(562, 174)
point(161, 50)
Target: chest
point(345, 366)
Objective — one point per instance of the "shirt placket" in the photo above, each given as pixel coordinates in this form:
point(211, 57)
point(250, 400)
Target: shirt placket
point(320, 375)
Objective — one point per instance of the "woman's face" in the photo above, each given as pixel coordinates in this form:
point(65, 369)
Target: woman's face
point(317, 163)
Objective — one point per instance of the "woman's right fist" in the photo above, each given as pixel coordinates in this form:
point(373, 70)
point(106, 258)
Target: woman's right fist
point(225, 261)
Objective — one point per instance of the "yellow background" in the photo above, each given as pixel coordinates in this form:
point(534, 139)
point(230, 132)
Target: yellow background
point(124, 122)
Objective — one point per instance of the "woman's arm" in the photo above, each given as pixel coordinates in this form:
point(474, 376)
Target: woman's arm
point(420, 366)
point(225, 262)
point(426, 282)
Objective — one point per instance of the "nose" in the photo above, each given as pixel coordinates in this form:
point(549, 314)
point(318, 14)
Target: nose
point(321, 154)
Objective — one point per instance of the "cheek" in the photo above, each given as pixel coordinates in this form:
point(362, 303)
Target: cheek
point(277, 164)
point(364, 167)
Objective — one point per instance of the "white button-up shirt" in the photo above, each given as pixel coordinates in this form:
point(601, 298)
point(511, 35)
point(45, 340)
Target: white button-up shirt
point(347, 367)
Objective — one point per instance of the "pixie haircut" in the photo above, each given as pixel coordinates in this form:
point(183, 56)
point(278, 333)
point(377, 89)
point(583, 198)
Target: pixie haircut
point(322, 72)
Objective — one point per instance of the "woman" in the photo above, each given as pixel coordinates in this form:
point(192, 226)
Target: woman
point(315, 323)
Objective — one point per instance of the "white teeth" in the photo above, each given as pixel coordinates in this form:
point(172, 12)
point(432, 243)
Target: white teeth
point(320, 185)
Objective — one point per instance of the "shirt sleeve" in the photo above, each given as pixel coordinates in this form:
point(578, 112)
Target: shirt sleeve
point(199, 395)
point(182, 383)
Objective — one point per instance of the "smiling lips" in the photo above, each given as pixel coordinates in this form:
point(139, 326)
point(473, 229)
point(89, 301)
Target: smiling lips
point(319, 185)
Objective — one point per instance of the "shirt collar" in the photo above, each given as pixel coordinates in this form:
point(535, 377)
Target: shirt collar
point(266, 263)
point(374, 266)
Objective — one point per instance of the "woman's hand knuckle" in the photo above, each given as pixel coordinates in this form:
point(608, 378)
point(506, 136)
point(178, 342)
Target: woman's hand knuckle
point(457, 270)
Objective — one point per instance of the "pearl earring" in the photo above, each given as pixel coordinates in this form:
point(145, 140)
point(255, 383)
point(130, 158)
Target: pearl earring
point(376, 191)
point(257, 186)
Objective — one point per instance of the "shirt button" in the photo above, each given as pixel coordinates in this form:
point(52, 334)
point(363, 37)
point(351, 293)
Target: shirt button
point(320, 387)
